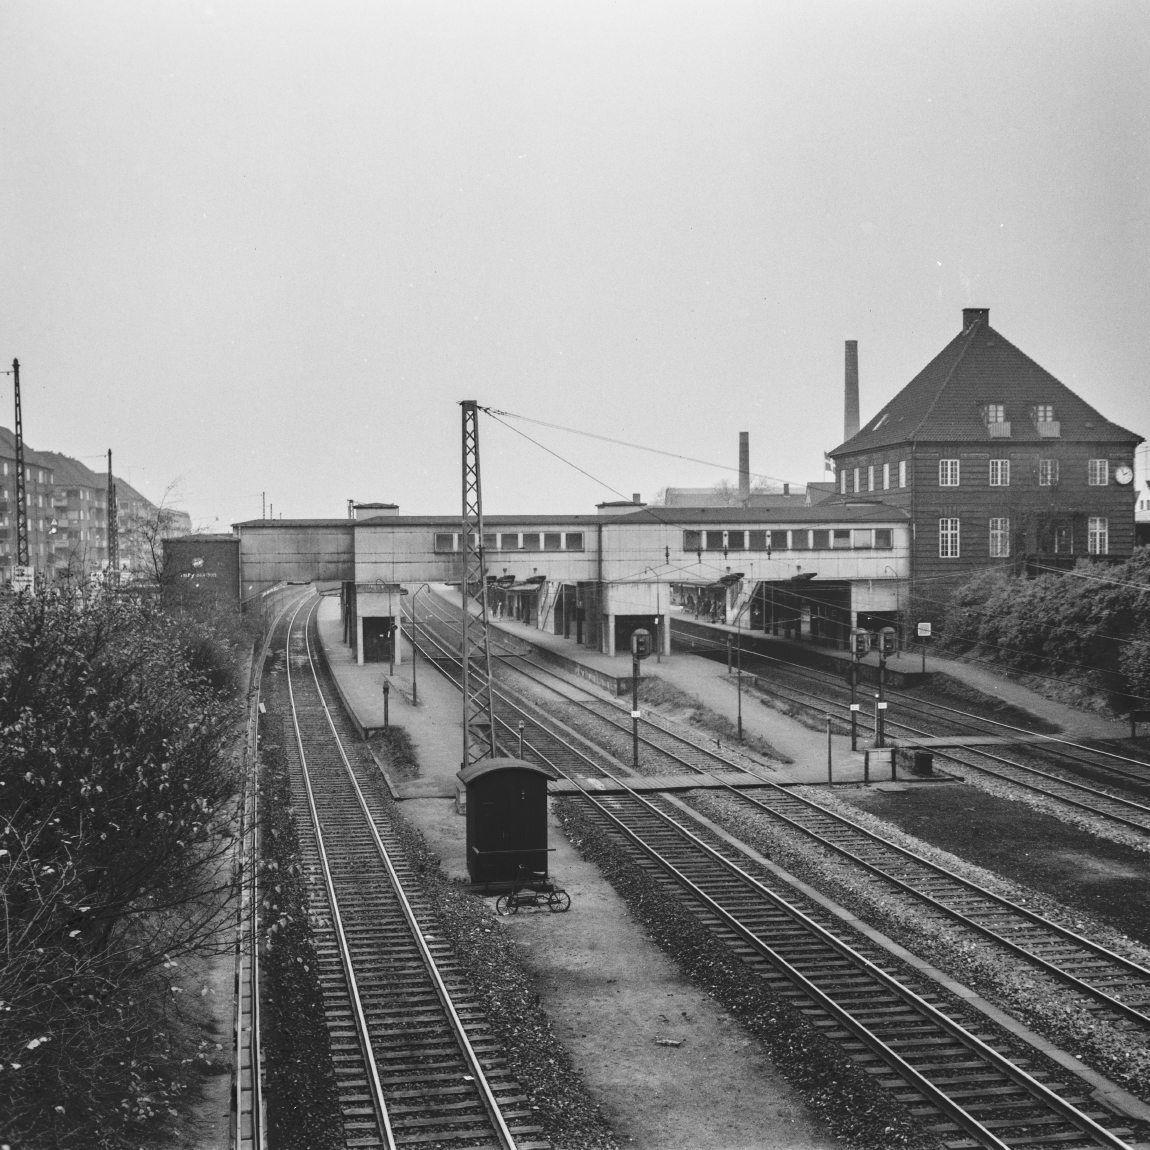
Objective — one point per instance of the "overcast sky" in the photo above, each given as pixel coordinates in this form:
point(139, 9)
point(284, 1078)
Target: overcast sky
point(269, 247)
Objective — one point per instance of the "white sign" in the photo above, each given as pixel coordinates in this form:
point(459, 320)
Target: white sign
point(23, 579)
point(924, 630)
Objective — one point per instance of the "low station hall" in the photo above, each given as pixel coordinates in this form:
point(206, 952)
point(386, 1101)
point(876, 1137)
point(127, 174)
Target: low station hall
point(804, 571)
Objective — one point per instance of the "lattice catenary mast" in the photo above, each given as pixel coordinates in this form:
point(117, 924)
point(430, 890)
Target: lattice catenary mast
point(113, 528)
point(478, 717)
point(21, 476)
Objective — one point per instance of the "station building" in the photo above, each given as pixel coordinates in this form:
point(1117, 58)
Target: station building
point(813, 571)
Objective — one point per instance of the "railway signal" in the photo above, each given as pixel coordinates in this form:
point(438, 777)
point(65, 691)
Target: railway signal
point(640, 649)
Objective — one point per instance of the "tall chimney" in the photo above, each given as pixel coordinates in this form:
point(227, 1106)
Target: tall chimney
point(744, 465)
point(973, 315)
point(851, 400)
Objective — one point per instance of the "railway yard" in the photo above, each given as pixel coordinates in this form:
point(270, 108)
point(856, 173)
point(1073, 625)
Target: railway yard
point(752, 957)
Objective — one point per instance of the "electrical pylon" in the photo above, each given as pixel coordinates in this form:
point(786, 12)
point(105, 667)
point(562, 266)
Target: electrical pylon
point(478, 716)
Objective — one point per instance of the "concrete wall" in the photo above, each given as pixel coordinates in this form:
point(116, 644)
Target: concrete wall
point(273, 551)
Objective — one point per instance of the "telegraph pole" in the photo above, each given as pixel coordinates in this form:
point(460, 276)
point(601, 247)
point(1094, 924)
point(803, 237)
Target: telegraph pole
point(21, 477)
point(113, 528)
point(478, 714)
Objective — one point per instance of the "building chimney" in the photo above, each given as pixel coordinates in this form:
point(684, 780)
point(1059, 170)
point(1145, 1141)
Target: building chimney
point(973, 315)
point(786, 489)
point(851, 399)
point(635, 498)
point(744, 465)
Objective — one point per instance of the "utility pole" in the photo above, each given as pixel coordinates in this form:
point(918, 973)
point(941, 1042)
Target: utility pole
point(478, 713)
point(21, 477)
point(263, 504)
point(113, 529)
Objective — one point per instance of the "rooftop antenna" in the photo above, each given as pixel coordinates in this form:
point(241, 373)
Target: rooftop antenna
point(478, 715)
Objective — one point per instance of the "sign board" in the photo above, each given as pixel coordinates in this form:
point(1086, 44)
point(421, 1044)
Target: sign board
point(924, 630)
point(23, 579)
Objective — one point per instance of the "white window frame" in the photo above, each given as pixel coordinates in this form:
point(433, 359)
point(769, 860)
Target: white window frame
point(886, 477)
point(1000, 473)
point(870, 477)
point(999, 538)
point(1097, 472)
point(843, 482)
point(995, 412)
point(1044, 413)
point(1098, 535)
point(949, 538)
point(948, 473)
point(858, 476)
point(902, 473)
point(1047, 472)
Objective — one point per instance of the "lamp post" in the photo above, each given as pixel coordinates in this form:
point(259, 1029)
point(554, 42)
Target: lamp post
point(414, 636)
point(739, 674)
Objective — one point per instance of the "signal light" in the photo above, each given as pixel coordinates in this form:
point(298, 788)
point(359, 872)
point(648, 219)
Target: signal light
point(886, 638)
point(860, 642)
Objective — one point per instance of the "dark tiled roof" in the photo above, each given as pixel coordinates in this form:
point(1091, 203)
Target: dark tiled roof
point(850, 510)
point(943, 402)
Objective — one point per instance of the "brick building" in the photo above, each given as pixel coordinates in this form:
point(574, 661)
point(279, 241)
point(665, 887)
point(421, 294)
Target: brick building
point(997, 462)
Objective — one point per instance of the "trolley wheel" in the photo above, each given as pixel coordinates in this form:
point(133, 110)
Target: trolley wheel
point(558, 901)
point(506, 904)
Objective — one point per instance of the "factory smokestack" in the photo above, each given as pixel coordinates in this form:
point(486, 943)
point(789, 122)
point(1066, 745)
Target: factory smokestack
point(744, 465)
point(851, 399)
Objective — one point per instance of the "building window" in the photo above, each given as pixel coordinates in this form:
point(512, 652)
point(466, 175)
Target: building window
point(902, 473)
point(1000, 473)
point(820, 539)
point(779, 541)
point(999, 538)
point(757, 541)
point(1063, 539)
point(1097, 535)
point(713, 541)
point(490, 541)
point(841, 537)
point(948, 539)
point(1047, 472)
point(736, 540)
point(858, 486)
point(1044, 413)
point(531, 541)
point(573, 541)
point(552, 541)
point(886, 477)
point(994, 413)
point(692, 541)
point(509, 541)
point(1097, 472)
point(862, 538)
point(870, 478)
point(948, 473)
point(843, 483)
point(801, 540)
point(883, 538)
point(444, 541)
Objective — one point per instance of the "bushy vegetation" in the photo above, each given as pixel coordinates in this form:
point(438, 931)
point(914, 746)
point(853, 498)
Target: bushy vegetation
point(1090, 626)
point(116, 791)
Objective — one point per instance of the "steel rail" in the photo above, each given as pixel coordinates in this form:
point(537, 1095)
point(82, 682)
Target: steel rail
point(253, 1134)
point(484, 1088)
point(379, 1103)
point(948, 1106)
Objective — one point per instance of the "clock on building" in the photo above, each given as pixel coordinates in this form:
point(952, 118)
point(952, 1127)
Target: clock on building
point(1123, 475)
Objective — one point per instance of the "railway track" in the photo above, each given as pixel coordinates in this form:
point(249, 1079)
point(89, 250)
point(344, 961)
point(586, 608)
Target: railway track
point(1114, 987)
point(413, 1058)
point(970, 1089)
point(1121, 810)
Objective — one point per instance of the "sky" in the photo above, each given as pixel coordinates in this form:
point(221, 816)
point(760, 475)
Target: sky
point(262, 249)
